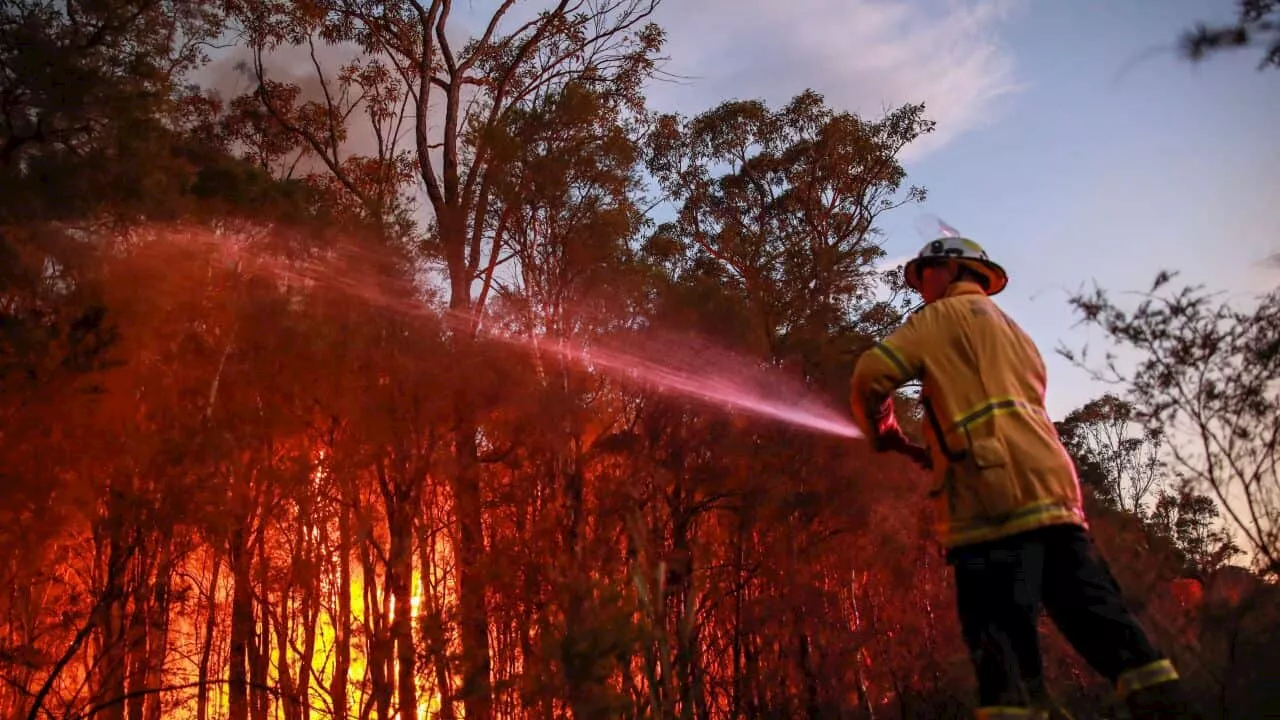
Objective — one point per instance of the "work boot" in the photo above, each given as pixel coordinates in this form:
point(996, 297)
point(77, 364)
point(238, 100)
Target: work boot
point(1164, 701)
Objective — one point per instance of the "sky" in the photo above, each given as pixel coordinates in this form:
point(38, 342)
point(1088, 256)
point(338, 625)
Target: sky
point(1072, 142)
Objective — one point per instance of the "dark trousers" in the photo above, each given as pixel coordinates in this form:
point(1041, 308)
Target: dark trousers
point(1001, 586)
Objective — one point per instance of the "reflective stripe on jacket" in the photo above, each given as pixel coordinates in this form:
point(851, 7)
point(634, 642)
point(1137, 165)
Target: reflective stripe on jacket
point(985, 381)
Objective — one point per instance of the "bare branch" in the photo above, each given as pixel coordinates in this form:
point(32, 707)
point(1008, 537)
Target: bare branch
point(316, 144)
point(446, 52)
point(486, 38)
point(426, 78)
point(331, 111)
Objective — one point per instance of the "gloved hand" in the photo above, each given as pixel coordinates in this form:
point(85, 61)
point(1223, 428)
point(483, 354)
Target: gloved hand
point(919, 455)
point(895, 441)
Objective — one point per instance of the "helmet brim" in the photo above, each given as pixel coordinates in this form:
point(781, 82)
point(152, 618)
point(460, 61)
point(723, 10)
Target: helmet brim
point(997, 278)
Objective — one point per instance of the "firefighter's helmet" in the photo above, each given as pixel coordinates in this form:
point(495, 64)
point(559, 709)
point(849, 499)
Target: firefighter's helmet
point(960, 250)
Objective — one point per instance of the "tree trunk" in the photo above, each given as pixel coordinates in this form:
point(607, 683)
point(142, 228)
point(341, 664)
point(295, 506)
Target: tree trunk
point(136, 642)
point(281, 617)
point(210, 624)
point(400, 582)
point(310, 618)
point(376, 639)
point(110, 692)
point(432, 621)
point(476, 691)
point(29, 606)
point(811, 696)
point(751, 658)
point(580, 688)
point(738, 590)
point(241, 628)
point(342, 626)
point(158, 632)
point(864, 697)
point(258, 699)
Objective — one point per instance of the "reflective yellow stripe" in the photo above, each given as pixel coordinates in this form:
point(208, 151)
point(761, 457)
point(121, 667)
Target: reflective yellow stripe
point(992, 407)
point(1051, 710)
point(1160, 671)
point(895, 359)
point(1025, 518)
point(1002, 712)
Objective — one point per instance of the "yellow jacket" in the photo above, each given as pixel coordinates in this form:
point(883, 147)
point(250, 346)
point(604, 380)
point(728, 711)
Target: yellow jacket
point(985, 381)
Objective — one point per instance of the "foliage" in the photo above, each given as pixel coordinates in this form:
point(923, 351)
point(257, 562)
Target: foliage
point(778, 207)
point(1207, 375)
point(1122, 468)
point(70, 72)
point(1258, 23)
point(1191, 521)
point(790, 222)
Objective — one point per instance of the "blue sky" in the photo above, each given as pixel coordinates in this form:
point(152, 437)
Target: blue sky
point(1072, 143)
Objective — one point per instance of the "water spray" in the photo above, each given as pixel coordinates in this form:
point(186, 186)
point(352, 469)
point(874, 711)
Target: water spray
point(682, 366)
point(671, 364)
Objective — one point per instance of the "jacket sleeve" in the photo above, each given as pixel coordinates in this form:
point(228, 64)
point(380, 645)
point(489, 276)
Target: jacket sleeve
point(888, 365)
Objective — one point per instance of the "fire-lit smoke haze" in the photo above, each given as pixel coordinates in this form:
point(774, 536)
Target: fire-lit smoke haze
point(491, 359)
point(673, 364)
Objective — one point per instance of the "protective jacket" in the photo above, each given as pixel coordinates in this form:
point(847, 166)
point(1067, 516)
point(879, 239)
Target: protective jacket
point(999, 464)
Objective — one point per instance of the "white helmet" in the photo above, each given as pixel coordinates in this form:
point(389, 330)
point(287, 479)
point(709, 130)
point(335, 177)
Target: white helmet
point(956, 249)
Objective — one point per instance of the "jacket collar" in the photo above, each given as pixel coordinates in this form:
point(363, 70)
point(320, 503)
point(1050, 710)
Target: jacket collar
point(963, 287)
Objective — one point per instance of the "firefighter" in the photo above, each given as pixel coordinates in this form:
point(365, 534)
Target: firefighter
point(1008, 498)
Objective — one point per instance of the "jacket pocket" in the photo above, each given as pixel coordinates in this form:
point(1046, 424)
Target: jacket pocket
point(983, 484)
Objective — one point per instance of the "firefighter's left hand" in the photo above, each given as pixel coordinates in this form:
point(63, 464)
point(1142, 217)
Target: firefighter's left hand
point(898, 443)
point(919, 455)
point(892, 440)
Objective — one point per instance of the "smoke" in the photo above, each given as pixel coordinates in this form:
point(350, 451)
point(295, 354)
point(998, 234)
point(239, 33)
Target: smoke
point(672, 364)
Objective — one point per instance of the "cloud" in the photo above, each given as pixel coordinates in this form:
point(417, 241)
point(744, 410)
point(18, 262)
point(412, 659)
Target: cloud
point(863, 55)
point(1264, 275)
